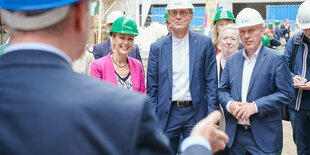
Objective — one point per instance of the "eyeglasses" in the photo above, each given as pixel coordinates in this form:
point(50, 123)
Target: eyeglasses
point(182, 13)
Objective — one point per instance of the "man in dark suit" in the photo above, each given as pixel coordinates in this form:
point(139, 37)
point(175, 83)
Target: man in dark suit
point(255, 83)
point(181, 75)
point(286, 29)
point(102, 49)
point(46, 108)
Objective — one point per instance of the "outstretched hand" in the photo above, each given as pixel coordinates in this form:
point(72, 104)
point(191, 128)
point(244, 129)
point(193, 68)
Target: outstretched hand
point(208, 129)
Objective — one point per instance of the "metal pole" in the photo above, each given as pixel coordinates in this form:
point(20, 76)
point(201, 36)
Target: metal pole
point(99, 20)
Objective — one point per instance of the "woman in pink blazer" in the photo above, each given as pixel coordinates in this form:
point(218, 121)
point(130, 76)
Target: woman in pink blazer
point(118, 68)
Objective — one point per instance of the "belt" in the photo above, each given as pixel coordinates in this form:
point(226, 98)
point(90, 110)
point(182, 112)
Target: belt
point(182, 104)
point(244, 127)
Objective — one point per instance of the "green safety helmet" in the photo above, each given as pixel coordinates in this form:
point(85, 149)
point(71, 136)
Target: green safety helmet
point(124, 25)
point(266, 40)
point(270, 25)
point(224, 14)
point(277, 22)
point(166, 16)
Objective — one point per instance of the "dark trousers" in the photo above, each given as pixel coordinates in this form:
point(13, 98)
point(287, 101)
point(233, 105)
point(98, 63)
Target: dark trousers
point(180, 122)
point(244, 144)
point(300, 121)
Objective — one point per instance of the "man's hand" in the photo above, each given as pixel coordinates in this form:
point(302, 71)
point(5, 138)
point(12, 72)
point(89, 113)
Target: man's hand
point(234, 107)
point(299, 80)
point(306, 87)
point(208, 129)
point(245, 111)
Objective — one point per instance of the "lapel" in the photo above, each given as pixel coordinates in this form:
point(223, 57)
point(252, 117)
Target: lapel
point(239, 70)
point(167, 53)
point(109, 74)
point(258, 64)
point(192, 53)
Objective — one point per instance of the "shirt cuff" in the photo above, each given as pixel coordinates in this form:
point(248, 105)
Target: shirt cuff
point(255, 107)
point(195, 140)
point(228, 105)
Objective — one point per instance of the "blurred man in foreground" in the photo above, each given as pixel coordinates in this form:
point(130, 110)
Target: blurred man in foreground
point(46, 108)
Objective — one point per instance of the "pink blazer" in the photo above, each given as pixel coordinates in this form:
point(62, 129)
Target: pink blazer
point(103, 69)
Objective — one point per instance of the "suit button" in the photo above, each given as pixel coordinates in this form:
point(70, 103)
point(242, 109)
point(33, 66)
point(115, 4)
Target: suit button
point(166, 112)
point(170, 98)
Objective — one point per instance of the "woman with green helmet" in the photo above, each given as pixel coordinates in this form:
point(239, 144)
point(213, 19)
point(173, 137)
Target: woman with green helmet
point(117, 67)
point(222, 18)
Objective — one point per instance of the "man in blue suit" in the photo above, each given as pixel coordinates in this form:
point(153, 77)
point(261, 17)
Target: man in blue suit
point(255, 83)
point(102, 49)
point(46, 108)
point(181, 75)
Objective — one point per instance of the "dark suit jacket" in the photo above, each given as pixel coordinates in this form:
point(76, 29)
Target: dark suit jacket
point(202, 76)
point(270, 88)
point(46, 108)
point(104, 48)
point(285, 31)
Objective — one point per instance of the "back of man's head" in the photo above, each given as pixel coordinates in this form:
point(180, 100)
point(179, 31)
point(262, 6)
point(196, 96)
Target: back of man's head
point(46, 21)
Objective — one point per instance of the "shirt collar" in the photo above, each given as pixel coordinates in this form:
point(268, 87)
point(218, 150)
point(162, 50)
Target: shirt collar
point(255, 55)
point(37, 46)
point(177, 39)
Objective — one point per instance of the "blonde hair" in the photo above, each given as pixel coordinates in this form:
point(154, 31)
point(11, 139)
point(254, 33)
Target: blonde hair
point(229, 27)
point(215, 33)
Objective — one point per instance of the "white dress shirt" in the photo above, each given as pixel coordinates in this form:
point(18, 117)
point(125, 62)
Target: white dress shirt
point(180, 69)
point(248, 67)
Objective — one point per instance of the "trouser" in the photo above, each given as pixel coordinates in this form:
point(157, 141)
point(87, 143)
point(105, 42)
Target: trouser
point(244, 144)
point(180, 122)
point(300, 121)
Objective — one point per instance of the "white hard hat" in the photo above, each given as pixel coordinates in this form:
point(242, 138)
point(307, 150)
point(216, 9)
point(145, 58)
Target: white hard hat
point(180, 4)
point(248, 17)
point(303, 18)
point(21, 21)
point(113, 16)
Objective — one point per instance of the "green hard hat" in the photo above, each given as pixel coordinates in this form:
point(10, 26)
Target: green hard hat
point(270, 25)
point(166, 16)
point(124, 25)
point(266, 40)
point(224, 14)
point(277, 22)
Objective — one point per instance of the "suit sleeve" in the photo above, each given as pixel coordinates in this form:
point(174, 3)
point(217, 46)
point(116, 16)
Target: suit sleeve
point(138, 56)
point(284, 89)
point(224, 90)
point(95, 70)
point(289, 50)
point(211, 79)
point(142, 81)
point(151, 139)
point(275, 42)
point(152, 77)
point(96, 52)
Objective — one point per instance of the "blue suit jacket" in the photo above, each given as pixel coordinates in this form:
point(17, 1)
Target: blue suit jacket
point(298, 67)
point(278, 33)
point(104, 48)
point(270, 88)
point(46, 108)
point(202, 76)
